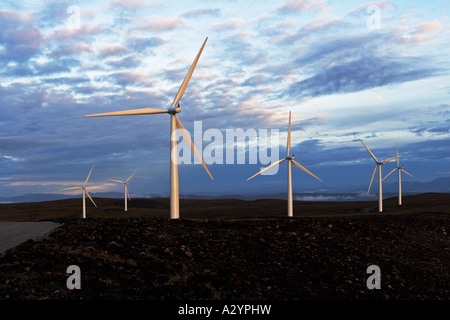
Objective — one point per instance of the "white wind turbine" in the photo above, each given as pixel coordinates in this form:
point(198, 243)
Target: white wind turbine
point(380, 181)
point(290, 159)
point(85, 192)
point(400, 170)
point(126, 188)
point(174, 124)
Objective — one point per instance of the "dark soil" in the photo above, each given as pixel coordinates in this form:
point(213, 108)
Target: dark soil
point(277, 258)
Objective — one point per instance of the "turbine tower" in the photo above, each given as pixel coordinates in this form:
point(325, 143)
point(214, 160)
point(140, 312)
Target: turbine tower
point(85, 192)
point(126, 188)
point(400, 170)
point(174, 124)
point(378, 167)
point(290, 159)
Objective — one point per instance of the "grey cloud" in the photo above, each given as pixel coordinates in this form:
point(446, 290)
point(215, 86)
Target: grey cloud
point(364, 73)
point(277, 70)
point(126, 78)
point(425, 150)
point(85, 89)
point(17, 144)
point(440, 130)
point(67, 80)
point(21, 97)
point(432, 127)
point(35, 69)
point(175, 75)
point(127, 62)
point(20, 70)
point(20, 40)
point(112, 51)
point(362, 9)
point(71, 49)
point(140, 44)
point(202, 12)
point(56, 66)
point(344, 49)
point(357, 63)
point(255, 80)
point(54, 13)
point(242, 52)
point(306, 31)
point(295, 7)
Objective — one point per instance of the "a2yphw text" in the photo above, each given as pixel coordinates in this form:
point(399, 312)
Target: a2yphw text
point(231, 309)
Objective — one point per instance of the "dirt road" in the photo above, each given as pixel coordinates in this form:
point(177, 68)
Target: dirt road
point(14, 233)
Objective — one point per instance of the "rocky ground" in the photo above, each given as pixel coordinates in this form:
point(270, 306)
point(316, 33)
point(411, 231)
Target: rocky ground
point(301, 258)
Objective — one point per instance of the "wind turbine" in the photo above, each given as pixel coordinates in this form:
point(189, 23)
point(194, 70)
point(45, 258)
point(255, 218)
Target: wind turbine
point(126, 188)
point(400, 170)
point(290, 160)
point(85, 192)
point(378, 166)
point(174, 124)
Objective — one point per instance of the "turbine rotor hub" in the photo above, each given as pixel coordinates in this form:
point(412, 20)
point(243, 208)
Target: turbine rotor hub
point(380, 163)
point(174, 110)
point(290, 157)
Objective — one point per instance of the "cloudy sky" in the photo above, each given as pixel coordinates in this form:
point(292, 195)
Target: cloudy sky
point(348, 70)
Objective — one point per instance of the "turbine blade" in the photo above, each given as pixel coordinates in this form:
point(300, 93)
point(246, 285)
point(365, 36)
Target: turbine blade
point(116, 181)
point(189, 142)
point(131, 176)
point(90, 197)
point(389, 174)
point(74, 188)
point(87, 179)
point(128, 112)
point(407, 173)
point(373, 156)
point(267, 168)
point(371, 180)
point(298, 165)
point(390, 159)
point(186, 80)
point(289, 136)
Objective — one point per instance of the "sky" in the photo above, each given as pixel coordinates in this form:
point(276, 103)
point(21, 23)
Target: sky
point(376, 71)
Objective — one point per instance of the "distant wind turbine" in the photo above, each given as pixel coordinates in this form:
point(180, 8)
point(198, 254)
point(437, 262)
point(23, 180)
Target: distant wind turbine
point(400, 170)
point(174, 124)
point(380, 181)
point(126, 188)
point(85, 192)
point(290, 159)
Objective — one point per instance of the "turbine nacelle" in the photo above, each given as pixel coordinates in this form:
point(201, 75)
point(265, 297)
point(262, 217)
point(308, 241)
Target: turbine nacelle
point(290, 157)
point(174, 110)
